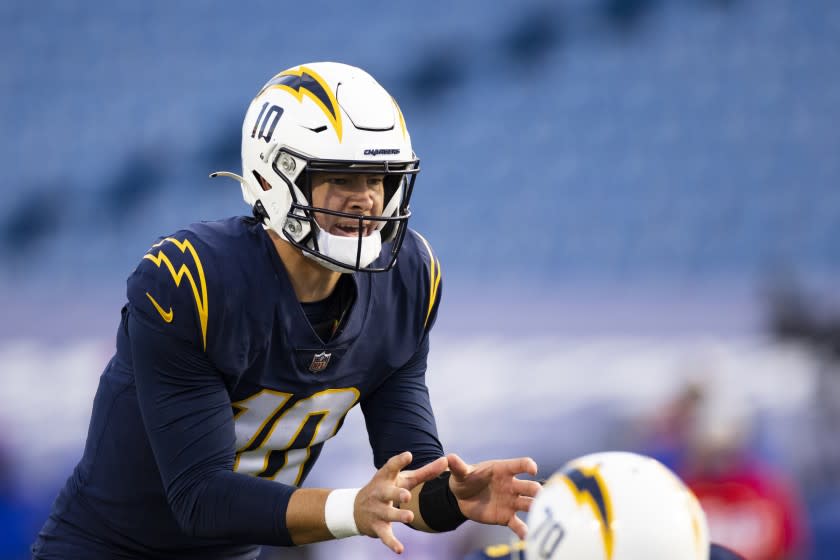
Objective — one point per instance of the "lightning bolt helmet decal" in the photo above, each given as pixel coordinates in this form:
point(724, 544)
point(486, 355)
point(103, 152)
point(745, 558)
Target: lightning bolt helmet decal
point(589, 488)
point(305, 81)
point(616, 505)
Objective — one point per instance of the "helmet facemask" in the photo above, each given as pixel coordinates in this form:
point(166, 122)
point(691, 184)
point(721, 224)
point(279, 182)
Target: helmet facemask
point(347, 253)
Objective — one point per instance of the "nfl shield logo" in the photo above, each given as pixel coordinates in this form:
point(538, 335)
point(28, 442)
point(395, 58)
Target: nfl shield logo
point(320, 362)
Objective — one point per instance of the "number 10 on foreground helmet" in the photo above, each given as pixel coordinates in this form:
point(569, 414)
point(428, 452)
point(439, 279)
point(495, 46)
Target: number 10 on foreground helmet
point(616, 506)
point(334, 118)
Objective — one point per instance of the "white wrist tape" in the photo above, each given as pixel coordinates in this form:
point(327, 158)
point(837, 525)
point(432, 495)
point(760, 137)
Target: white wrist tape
point(339, 512)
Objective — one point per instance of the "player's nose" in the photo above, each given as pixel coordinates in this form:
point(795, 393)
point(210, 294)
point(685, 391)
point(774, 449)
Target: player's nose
point(361, 198)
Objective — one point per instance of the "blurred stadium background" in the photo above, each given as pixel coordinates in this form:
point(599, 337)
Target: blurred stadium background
point(636, 203)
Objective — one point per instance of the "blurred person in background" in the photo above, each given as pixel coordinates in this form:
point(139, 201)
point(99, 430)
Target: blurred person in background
point(801, 318)
point(245, 342)
point(813, 322)
point(751, 505)
point(667, 435)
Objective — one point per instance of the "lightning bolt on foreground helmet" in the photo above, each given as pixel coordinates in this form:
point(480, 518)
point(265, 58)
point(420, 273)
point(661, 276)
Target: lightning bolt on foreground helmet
point(616, 506)
point(335, 118)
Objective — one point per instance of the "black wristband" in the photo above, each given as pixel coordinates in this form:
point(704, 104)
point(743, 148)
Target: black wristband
point(438, 505)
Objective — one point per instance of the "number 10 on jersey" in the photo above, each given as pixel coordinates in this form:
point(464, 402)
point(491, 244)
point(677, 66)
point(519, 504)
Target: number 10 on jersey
point(273, 440)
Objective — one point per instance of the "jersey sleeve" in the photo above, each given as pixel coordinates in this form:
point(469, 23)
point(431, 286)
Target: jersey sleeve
point(188, 418)
point(169, 289)
point(399, 415)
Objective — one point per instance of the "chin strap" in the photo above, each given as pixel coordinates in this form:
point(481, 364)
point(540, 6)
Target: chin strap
point(345, 251)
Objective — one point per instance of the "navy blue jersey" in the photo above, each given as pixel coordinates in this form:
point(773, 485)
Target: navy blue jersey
point(220, 396)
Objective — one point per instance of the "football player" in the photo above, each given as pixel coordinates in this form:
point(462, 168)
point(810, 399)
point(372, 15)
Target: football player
point(245, 342)
point(613, 506)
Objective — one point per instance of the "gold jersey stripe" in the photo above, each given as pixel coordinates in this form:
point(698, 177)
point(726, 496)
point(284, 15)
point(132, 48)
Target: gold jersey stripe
point(434, 278)
point(434, 296)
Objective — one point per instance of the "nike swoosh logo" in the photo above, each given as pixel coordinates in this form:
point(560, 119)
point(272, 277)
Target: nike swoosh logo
point(167, 315)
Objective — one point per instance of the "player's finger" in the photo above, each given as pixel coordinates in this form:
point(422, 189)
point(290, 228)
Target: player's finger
point(526, 487)
point(386, 535)
point(395, 464)
point(391, 514)
point(410, 479)
point(518, 526)
point(457, 465)
point(521, 465)
point(401, 515)
point(394, 494)
point(523, 503)
point(530, 466)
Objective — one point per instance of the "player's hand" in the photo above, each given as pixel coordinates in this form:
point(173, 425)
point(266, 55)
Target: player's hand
point(374, 506)
point(490, 493)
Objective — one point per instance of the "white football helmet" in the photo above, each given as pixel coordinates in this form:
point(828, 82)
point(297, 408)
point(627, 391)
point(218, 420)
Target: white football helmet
point(616, 506)
point(330, 117)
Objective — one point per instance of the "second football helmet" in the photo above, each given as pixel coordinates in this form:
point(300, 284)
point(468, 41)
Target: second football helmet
point(616, 506)
point(335, 118)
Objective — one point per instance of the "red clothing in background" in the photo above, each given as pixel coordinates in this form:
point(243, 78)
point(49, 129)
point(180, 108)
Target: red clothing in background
point(752, 510)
